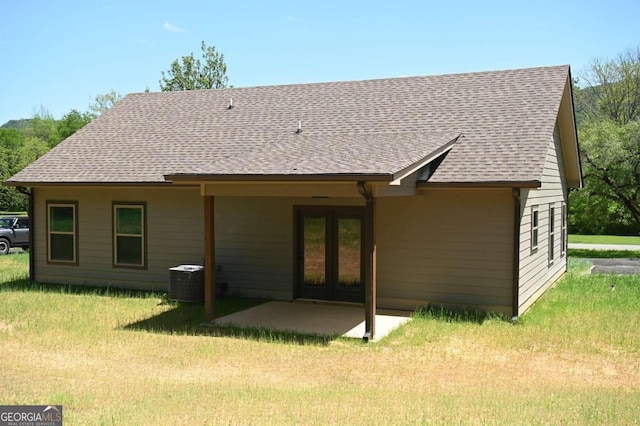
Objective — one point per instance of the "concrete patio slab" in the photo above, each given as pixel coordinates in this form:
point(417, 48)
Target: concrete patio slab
point(315, 317)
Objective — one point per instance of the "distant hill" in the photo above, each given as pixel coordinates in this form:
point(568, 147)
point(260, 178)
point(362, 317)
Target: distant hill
point(16, 124)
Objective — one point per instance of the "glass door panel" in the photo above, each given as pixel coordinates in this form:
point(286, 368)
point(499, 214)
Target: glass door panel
point(329, 253)
point(349, 254)
point(314, 251)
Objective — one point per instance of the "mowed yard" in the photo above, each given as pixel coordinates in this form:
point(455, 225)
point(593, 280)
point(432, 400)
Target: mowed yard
point(116, 358)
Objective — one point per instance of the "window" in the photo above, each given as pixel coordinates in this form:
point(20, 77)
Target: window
point(534, 229)
point(129, 235)
point(563, 230)
point(62, 232)
point(552, 233)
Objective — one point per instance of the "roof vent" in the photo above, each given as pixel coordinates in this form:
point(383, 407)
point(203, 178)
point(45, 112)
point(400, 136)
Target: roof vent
point(299, 127)
point(230, 103)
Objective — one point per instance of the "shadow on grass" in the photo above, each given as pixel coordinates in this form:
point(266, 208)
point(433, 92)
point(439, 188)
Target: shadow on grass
point(604, 254)
point(442, 313)
point(269, 335)
point(26, 285)
point(182, 318)
point(188, 319)
point(16, 285)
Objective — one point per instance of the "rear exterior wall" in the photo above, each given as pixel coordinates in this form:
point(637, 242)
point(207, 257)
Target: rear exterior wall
point(451, 247)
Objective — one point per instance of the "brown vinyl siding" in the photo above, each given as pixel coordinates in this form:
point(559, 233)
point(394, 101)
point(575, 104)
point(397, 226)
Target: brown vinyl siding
point(175, 226)
point(446, 246)
point(536, 272)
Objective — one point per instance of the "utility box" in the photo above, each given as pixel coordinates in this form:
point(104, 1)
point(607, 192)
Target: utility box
point(186, 283)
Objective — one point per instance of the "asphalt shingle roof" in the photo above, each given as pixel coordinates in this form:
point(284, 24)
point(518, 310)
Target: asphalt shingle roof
point(506, 119)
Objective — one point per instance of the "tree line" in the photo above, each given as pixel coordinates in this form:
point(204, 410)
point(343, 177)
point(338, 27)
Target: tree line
point(24, 141)
point(607, 105)
point(31, 139)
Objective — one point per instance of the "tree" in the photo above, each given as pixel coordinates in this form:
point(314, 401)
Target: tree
point(611, 154)
point(21, 147)
point(30, 151)
point(11, 141)
point(609, 134)
point(103, 102)
point(43, 126)
point(190, 73)
point(591, 214)
point(72, 122)
point(612, 89)
point(10, 137)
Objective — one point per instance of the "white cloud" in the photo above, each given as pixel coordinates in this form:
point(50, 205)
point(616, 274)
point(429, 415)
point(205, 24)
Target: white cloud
point(145, 41)
point(173, 28)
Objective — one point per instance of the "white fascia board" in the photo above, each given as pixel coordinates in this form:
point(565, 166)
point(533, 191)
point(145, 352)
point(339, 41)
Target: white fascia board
point(407, 171)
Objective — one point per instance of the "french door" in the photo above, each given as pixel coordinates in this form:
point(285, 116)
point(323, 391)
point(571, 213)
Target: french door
point(329, 253)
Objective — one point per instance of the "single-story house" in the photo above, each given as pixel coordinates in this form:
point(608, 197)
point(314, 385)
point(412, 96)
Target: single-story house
point(392, 193)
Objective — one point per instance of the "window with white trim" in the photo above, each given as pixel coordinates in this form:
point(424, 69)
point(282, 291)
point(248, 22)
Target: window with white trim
point(535, 225)
point(62, 232)
point(129, 235)
point(552, 232)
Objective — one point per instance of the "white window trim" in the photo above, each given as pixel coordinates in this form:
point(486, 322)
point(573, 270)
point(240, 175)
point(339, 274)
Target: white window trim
point(143, 236)
point(74, 233)
point(535, 229)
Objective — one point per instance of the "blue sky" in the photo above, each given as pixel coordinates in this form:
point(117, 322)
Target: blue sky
point(60, 54)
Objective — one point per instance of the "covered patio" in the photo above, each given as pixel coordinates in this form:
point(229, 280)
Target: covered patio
point(360, 320)
point(325, 319)
point(322, 200)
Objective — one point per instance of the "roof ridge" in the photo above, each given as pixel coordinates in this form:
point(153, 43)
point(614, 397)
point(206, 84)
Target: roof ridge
point(365, 80)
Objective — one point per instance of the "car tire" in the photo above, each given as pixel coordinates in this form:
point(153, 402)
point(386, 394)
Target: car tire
point(5, 246)
point(25, 248)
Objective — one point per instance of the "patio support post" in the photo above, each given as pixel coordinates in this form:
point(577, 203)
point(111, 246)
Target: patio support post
point(369, 249)
point(209, 260)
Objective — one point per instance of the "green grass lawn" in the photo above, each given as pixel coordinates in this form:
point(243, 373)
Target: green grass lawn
point(603, 239)
point(604, 254)
point(129, 358)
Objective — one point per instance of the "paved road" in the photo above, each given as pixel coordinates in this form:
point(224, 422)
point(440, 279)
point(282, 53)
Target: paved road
point(615, 266)
point(611, 266)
